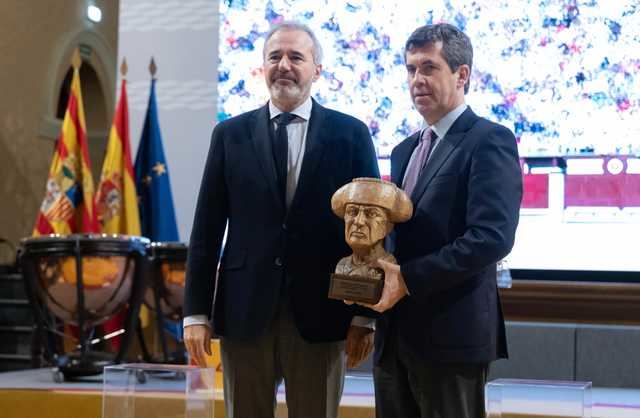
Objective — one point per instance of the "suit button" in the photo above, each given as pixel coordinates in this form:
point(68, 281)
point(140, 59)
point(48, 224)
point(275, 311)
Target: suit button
point(284, 227)
point(278, 262)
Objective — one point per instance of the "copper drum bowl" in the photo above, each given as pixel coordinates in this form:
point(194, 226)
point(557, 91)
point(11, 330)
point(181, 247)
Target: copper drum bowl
point(168, 262)
point(107, 263)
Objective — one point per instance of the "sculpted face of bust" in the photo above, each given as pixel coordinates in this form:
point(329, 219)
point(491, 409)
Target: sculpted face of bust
point(365, 225)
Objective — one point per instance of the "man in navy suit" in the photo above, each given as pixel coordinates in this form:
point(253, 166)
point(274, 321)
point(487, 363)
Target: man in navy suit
point(442, 323)
point(270, 175)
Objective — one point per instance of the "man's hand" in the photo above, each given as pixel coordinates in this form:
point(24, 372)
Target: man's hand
point(359, 345)
point(394, 287)
point(197, 339)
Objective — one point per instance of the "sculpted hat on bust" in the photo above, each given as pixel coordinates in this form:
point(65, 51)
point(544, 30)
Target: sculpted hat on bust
point(375, 192)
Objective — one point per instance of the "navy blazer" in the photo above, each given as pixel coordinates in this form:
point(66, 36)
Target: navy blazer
point(269, 248)
point(466, 208)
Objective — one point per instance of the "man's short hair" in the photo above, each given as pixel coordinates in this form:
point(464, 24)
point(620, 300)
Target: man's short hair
point(456, 46)
point(290, 25)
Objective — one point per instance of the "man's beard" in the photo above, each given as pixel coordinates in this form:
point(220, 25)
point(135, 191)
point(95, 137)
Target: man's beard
point(286, 93)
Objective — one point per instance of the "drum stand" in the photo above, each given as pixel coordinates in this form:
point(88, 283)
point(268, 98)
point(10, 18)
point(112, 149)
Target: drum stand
point(83, 361)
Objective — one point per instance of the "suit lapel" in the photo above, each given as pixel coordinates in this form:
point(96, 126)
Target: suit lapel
point(443, 150)
point(264, 152)
point(312, 151)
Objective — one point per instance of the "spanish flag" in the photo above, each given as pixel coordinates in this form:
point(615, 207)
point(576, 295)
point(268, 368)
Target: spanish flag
point(116, 200)
point(68, 205)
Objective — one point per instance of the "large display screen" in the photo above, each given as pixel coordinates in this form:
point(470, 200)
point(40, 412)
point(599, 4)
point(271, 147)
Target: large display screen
point(564, 76)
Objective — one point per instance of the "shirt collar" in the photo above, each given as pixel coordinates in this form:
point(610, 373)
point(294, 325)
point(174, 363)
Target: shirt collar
point(441, 127)
point(303, 111)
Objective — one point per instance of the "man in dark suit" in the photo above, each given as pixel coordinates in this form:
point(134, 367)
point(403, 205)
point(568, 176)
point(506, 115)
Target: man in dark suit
point(270, 175)
point(442, 323)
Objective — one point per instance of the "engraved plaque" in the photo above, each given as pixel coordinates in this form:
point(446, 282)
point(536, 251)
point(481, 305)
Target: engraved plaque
point(355, 288)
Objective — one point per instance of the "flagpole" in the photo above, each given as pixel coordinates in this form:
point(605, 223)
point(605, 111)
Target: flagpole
point(160, 320)
point(76, 60)
point(153, 68)
point(123, 68)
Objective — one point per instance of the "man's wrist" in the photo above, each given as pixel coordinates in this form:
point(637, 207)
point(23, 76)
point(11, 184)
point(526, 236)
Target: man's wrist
point(190, 320)
point(364, 322)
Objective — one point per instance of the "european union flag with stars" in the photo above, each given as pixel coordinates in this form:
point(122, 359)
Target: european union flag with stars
point(157, 216)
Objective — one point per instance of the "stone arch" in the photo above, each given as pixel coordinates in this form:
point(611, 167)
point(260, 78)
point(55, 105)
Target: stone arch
point(97, 77)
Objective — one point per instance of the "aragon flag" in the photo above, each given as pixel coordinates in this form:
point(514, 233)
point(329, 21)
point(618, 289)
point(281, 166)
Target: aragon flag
point(116, 199)
point(68, 205)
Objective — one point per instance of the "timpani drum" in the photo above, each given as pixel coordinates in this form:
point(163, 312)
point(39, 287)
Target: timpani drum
point(168, 262)
point(164, 296)
point(82, 280)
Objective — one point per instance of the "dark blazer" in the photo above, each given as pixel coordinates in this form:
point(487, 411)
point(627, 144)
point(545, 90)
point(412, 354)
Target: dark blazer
point(466, 208)
point(270, 251)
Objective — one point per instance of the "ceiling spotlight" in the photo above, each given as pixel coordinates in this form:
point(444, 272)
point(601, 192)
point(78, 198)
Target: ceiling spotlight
point(94, 13)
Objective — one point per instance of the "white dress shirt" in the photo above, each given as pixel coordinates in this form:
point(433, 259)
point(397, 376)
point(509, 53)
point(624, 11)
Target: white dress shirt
point(441, 127)
point(297, 133)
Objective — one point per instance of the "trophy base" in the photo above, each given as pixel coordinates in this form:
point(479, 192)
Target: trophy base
point(355, 288)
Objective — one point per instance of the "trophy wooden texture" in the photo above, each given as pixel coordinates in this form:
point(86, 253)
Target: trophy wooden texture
point(370, 207)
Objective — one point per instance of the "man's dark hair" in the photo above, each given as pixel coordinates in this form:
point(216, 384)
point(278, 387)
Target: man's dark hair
point(456, 46)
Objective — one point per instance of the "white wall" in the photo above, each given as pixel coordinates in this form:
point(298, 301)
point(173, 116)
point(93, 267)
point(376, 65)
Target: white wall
point(182, 36)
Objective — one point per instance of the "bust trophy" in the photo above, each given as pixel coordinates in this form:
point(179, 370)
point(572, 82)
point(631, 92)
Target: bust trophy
point(370, 207)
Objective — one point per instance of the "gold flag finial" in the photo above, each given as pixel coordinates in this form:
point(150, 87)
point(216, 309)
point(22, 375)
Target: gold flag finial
point(153, 68)
point(123, 67)
point(76, 61)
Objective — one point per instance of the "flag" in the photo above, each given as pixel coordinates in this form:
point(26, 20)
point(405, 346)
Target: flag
point(68, 205)
point(116, 199)
point(157, 217)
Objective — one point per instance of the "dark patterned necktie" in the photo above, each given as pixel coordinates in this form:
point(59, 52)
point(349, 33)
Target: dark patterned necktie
point(281, 149)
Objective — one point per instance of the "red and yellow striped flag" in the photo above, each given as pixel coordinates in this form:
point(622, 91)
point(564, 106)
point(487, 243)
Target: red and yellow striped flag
point(116, 199)
point(68, 205)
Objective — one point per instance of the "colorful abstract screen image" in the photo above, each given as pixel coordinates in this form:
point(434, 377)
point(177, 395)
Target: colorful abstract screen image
point(563, 75)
